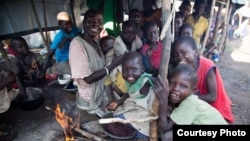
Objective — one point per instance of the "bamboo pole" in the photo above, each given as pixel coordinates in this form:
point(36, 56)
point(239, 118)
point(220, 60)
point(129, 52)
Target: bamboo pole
point(224, 28)
point(208, 28)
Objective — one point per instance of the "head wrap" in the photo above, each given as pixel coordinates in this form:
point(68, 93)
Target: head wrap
point(63, 16)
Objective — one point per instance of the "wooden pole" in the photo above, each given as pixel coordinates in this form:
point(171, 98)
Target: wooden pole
point(72, 11)
point(38, 22)
point(208, 28)
point(224, 28)
point(228, 19)
point(45, 24)
point(166, 8)
point(217, 23)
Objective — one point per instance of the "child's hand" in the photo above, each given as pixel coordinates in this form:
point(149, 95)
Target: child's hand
point(112, 106)
point(161, 89)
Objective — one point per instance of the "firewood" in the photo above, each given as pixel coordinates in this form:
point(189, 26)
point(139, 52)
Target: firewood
point(89, 135)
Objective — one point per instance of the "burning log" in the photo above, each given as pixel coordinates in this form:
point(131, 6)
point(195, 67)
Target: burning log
point(68, 126)
point(65, 122)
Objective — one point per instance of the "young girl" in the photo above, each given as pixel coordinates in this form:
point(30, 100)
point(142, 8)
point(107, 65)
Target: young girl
point(106, 44)
point(127, 41)
point(184, 9)
point(186, 30)
point(136, 104)
point(151, 51)
point(187, 108)
point(210, 87)
point(178, 22)
point(135, 15)
point(29, 68)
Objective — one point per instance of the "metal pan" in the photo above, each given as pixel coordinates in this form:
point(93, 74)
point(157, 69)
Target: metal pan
point(33, 100)
point(113, 135)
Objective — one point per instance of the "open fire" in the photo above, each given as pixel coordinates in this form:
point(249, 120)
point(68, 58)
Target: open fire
point(65, 122)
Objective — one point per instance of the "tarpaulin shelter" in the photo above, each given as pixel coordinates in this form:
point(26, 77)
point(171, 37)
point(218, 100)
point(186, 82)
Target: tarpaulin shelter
point(22, 17)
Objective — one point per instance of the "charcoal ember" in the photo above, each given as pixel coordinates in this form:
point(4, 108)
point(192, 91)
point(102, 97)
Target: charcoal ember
point(119, 129)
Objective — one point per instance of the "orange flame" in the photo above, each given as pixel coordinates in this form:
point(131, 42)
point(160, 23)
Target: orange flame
point(65, 123)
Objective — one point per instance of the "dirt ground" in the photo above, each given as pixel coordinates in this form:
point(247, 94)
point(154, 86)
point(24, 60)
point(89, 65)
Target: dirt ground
point(36, 124)
point(234, 68)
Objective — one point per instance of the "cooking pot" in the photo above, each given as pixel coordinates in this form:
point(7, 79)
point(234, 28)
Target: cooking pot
point(33, 100)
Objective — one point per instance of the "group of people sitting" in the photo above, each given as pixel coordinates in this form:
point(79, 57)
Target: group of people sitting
point(121, 74)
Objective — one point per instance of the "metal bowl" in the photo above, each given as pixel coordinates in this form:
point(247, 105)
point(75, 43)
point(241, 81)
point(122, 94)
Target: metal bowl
point(33, 100)
point(64, 79)
point(106, 131)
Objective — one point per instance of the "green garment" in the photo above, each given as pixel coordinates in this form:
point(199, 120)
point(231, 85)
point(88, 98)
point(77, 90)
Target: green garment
point(94, 4)
point(194, 111)
point(111, 24)
point(132, 88)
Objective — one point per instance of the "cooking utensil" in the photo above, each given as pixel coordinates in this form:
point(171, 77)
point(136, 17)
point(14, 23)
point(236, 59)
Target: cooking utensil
point(127, 127)
point(33, 100)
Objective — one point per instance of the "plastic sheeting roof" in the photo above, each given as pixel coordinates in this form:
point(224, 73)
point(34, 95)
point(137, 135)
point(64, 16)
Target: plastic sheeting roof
point(240, 1)
point(18, 17)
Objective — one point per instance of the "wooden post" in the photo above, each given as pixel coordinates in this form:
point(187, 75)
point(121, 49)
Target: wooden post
point(224, 28)
point(38, 22)
point(166, 7)
point(208, 28)
point(228, 20)
point(217, 23)
point(72, 12)
point(45, 24)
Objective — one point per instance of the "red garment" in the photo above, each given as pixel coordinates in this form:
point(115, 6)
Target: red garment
point(155, 57)
point(11, 51)
point(223, 102)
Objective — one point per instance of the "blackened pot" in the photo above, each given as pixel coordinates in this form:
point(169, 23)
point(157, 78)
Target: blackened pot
point(33, 100)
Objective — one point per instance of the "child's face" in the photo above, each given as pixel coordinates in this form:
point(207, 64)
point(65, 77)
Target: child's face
point(20, 47)
point(180, 85)
point(200, 8)
point(136, 17)
point(185, 10)
point(107, 45)
point(177, 24)
point(152, 34)
point(128, 35)
point(93, 25)
point(187, 32)
point(132, 70)
point(183, 52)
point(66, 26)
